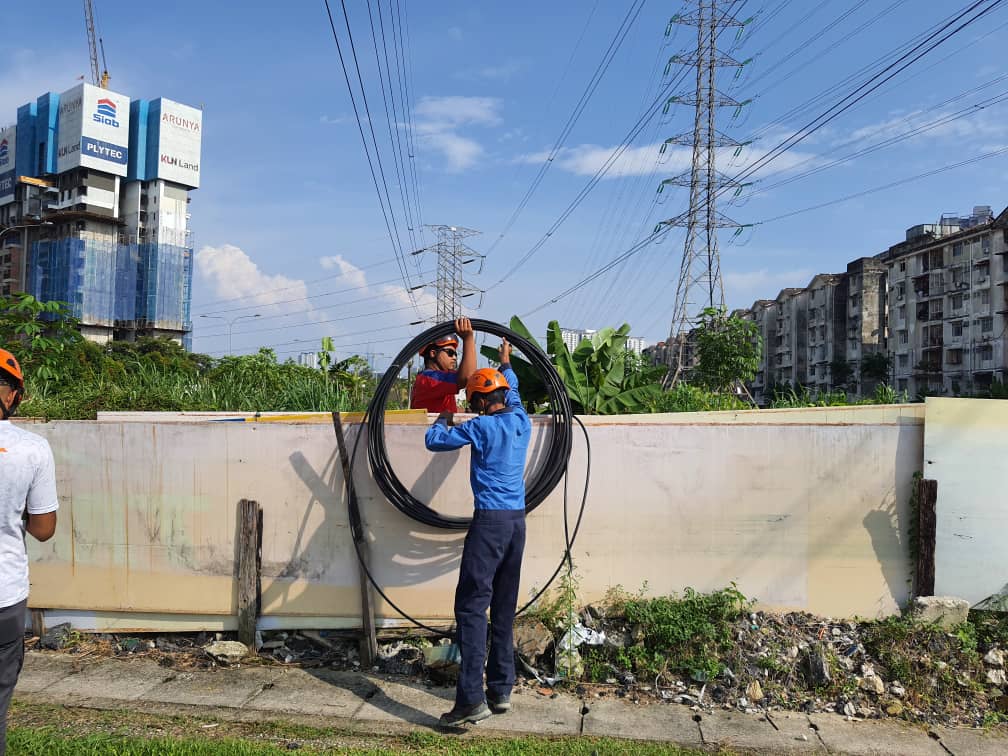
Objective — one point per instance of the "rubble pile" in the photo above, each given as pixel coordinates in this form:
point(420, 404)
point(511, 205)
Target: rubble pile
point(762, 661)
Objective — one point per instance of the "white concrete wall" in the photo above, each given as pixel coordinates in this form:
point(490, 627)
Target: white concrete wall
point(965, 448)
point(803, 509)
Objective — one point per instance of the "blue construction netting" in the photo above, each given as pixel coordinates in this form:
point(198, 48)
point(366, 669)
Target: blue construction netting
point(164, 285)
point(80, 272)
point(107, 284)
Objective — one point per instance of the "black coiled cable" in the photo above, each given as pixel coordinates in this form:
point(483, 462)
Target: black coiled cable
point(545, 479)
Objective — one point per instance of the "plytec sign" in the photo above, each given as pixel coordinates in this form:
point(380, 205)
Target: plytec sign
point(7, 137)
point(93, 130)
point(180, 133)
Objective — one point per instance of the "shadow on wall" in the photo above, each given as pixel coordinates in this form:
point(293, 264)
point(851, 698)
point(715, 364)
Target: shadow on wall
point(421, 554)
point(889, 525)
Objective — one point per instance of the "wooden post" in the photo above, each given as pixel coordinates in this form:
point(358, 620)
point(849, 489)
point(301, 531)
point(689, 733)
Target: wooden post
point(369, 639)
point(249, 563)
point(38, 622)
point(927, 499)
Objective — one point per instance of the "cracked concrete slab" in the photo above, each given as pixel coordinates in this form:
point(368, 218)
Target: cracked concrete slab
point(621, 719)
point(42, 670)
point(229, 687)
point(531, 712)
point(324, 693)
point(112, 678)
point(874, 738)
point(796, 727)
point(736, 729)
point(963, 742)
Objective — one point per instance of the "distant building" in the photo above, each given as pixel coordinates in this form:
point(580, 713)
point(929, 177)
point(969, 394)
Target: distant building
point(308, 359)
point(94, 209)
point(574, 336)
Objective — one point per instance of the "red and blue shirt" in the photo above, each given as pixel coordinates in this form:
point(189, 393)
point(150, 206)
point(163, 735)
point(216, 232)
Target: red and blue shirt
point(434, 391)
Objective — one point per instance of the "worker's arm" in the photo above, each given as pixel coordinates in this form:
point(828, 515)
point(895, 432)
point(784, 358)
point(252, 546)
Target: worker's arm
point(467, 366)
point(42, 526)
point(442, 438)
point(41, 506)
point(512, 397)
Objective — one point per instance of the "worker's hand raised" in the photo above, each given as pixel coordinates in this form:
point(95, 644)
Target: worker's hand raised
point(505, 352)
point(464, 328)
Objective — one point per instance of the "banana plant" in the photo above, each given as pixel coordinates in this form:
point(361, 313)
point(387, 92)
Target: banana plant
point(601, 377)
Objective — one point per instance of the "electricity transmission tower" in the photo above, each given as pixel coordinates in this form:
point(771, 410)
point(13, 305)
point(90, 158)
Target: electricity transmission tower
point(452, 253)
point(700, 284)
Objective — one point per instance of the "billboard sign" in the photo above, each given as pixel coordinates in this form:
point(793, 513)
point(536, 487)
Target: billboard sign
point(7, 151)
point(180, 134)
point(93, 130)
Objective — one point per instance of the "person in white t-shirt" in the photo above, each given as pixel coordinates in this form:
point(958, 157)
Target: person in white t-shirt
point(27, 504)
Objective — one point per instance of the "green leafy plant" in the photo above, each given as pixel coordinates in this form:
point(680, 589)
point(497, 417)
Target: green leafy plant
point(728, 350)
point(38, 333)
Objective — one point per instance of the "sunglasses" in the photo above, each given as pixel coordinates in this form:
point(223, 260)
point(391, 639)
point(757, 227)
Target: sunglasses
point(450, 352)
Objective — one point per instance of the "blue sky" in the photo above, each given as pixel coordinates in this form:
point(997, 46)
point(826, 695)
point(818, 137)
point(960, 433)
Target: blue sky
point(287, 222)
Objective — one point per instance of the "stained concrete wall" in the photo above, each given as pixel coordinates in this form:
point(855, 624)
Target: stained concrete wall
point(803, 509)
point(965, 448)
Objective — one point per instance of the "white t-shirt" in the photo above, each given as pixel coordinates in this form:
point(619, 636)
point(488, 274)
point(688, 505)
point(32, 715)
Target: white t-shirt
point(27, 478)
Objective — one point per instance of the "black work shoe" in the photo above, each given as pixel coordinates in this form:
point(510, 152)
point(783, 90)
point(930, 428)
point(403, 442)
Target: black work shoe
point(461, 715)
point(498, 704)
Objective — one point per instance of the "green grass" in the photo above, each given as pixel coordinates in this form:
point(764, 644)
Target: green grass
point(40, 729)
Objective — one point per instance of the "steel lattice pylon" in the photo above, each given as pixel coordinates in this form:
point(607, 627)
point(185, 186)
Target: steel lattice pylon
point(700, 284)
point(452, 254)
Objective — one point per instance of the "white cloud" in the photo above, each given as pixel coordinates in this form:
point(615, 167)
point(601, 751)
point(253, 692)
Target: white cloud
point(440, 119)
point(338, 120)
point(394, 296)
point(233, 274)
point(456, 110)
point(586, 159)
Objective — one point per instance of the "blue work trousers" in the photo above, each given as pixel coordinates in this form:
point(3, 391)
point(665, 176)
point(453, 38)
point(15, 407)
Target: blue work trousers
point(488, 578)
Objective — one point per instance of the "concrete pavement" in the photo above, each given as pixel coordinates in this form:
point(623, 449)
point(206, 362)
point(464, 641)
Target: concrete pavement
point(383, 704)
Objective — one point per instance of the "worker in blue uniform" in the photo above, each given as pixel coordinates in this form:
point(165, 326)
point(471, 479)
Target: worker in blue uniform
point(491, 557)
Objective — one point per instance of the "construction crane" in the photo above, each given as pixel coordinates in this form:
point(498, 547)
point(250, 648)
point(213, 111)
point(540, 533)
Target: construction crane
point(100, 79)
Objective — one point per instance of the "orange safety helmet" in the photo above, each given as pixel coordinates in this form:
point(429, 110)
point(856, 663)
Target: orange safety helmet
point(10, 372)
point(445, 341)
point(485, 380)
point(11, 369)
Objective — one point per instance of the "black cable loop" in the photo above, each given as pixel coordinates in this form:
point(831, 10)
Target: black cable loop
point(536, 490)
point(546, 480)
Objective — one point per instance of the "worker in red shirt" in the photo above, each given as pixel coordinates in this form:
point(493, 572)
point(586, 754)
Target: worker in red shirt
point(442, 377)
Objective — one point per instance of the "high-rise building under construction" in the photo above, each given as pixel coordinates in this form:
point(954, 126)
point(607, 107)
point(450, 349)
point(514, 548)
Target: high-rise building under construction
point(94, 209)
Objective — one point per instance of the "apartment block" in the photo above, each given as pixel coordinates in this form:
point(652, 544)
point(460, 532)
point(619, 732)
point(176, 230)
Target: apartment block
point(948, 302)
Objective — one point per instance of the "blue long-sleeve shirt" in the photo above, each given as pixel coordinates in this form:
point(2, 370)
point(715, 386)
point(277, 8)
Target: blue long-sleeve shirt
point(499, 445)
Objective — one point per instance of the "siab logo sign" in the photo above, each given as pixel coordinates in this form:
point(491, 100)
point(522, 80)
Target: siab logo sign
point(106, 113)
point(4, 152)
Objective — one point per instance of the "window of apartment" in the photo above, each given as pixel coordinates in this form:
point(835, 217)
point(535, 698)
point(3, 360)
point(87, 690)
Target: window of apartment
point(984, 296)
point(957, 301)
point(986, 325)
point(900, 290)
point(985, 353)
point(957, 329)
point(903, 337)
point(957, 274)
point(902, 266)
point(954, 357)
point(822, 333)
point(902, 312)
point(812, 313)
point(855, 300)
point(903, 361)
point(957, 249)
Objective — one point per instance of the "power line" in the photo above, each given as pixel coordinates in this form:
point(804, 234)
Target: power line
point(389, 225)
point(803, 133)
point(900, 182)
point(299, 285)
point(378, 295)
point(593, 82)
